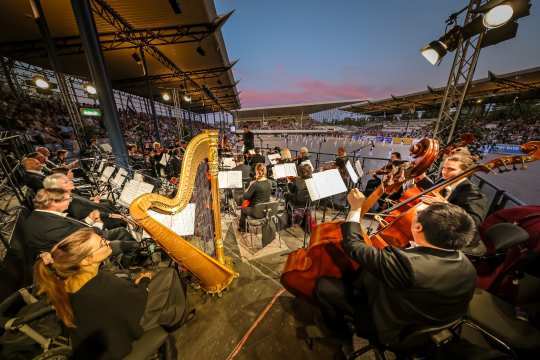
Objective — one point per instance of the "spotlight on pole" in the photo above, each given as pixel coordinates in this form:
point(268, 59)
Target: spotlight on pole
point(187, 98)
point(165, 96)
point(41, 82)
point(435, 50)
point(497, 13)
point(90, 89)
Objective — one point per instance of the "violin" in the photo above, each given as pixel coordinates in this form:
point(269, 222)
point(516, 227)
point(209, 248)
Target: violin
point(398, 231)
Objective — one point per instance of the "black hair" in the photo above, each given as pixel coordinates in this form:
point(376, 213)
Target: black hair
point(397, 154)
point(447, 226)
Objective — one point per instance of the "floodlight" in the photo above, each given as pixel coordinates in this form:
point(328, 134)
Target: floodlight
point(41, 82)
point(187, 98)
point(434, 52)
point(498, 16)
point(166, 96)
point(90, 89)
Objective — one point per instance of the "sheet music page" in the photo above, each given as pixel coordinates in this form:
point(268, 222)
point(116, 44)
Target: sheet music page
point(273, 158)
point(230, 179)
point(119, 177)
point(106, 174)
point(132, 190)
point(290, 169)
point(101, 165)
point(228, 163)
point(358, 166)
point(279, 171)
point(352, 173)
point(325, 184)
point(251, 152)
point(308, 162)
point(164, 159)
point(182, 223)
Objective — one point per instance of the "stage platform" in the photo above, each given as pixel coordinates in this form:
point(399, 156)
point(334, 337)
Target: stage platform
point(221, 323)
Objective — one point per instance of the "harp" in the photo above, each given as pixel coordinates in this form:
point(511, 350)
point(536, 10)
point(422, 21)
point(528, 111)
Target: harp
point(213, 273)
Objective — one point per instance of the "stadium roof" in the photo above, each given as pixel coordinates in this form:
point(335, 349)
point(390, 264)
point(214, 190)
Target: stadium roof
point(171, 32)
point(289, 110)
point(494, 88)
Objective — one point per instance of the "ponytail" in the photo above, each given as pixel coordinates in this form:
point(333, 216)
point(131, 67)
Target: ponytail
point(51, 271)
point(50, 284)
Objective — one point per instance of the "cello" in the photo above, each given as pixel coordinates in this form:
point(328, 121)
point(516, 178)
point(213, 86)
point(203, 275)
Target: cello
point(324, 255)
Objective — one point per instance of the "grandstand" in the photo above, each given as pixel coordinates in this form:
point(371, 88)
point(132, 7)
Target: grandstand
point(129, 84)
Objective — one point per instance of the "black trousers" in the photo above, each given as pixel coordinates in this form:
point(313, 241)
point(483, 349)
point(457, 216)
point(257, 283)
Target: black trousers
point(341, 302)
point(248, 211)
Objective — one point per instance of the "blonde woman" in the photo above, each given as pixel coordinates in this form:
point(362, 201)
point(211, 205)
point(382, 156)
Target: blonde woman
point(286, 156)
point(258, 192)
point(103, 313)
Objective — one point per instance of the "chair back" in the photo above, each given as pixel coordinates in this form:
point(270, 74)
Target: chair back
point(420, 338)
point(267, 209)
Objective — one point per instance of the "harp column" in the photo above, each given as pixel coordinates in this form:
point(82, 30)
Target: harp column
point(213, 167)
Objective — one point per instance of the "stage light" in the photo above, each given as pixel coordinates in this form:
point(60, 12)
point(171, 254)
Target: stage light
point(166, 96)
point(41, 82)
point(187, 98)
point(479, 101)
point(434, 52)
point(136, 57)
point(90, 89)
point(498, 16)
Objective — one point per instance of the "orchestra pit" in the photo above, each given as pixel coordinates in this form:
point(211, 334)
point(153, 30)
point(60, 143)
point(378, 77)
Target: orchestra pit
point(148, 213)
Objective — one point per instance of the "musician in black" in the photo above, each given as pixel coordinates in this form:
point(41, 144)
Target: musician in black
point(258, 192)
point(341, 163)
point(258, 158)
point(248, 138)
point(302, 156)
point(33, 174)
point(429, 284)
point(297, 194)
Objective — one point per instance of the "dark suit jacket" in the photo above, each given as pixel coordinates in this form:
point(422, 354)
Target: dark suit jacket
point(298, 193)
point(33, 180)
point(467, 196)
point(411, 287)
point(42, 230)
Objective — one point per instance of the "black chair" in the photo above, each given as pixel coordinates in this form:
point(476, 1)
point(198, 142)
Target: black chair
point(503, 236)
point(264, 214)
point(419, 341)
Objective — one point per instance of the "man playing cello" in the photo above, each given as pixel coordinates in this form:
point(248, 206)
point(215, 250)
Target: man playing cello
point(428, 284)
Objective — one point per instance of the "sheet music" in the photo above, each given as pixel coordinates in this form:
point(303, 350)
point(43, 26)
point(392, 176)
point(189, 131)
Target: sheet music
point(182, 223)
point(132, 190)
point(251, 152)
point(164, 159)
point(325, 184)
point(228, 163)
point(308, 162)
point(352, 173)
point(284, 170)
point(273, 158)
point(230, 179)
point(358, 166)
point(106, 174)
point(119, 177)
point(101, 165)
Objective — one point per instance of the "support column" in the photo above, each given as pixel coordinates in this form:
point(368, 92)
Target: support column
point(150, 95)
point(100, 77)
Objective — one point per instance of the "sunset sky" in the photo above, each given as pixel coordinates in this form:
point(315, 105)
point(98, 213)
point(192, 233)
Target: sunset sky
point(295, 51)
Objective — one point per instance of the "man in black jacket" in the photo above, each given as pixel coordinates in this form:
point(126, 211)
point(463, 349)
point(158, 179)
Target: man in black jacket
point(48, 224)
point(33, 174)
point(248, 139)
point(428, 284)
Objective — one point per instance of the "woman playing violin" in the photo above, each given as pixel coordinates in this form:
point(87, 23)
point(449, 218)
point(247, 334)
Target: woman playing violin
point(258, 192)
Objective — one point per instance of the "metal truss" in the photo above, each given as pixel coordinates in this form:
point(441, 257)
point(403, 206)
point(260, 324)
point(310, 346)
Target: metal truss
point(155, 79)
point(511, 84)
point(111, 17)
point(462, 71)
point(130, 39)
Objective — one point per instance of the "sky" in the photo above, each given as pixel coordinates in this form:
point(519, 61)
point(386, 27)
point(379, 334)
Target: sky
point(297, 51)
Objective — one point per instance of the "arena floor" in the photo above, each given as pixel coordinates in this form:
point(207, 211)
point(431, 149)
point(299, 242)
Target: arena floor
point(221, 323)
point(522, 184)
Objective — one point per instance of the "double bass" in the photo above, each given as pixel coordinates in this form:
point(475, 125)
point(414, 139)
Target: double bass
point(325, 256)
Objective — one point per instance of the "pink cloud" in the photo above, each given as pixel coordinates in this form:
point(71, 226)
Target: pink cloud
point(309, 90)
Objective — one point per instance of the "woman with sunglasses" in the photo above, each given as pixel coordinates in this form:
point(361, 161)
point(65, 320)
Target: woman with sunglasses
point(103, 313)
